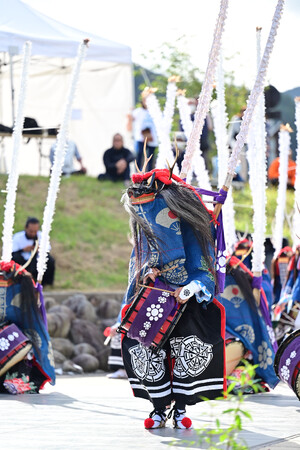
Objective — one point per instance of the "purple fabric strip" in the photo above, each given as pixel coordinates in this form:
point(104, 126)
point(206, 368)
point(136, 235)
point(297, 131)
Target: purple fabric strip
point(39, 288)
point(152, 315)
point(266, 316)
point(219, 197)
point(257, 282)
point(289, 361)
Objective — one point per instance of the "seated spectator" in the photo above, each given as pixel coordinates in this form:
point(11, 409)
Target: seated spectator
point(273, 172)
point(71, 153)
point(24, 243)
point(116, 160)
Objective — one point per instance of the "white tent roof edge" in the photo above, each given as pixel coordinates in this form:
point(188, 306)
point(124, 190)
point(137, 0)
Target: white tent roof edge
point(19, 23)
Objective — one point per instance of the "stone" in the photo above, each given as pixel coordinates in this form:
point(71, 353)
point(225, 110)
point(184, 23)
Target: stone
point(70, 366)
point(84, 348)
point(103, 358)
point(89, 363)
point(63, 309)
point(59, 358)
point(64, 346)
point(49, 302)
point(82, 308)
point(83, 331)
point(59, 324)
point(108, 309)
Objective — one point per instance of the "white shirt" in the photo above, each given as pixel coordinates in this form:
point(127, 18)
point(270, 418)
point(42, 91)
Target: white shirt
point(142, 120)
point(20, 241)
point(71, 153)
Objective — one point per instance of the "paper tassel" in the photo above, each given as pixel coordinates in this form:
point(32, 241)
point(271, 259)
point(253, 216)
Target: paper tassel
point(59, 156)
point(206, 92)
point(220, 119)
point(258, 173)
point(165, 147)
point(198, 161)
point(255, 93)
point(284, 147)
point(296, 218)
point(169, 109)
point(13, 177)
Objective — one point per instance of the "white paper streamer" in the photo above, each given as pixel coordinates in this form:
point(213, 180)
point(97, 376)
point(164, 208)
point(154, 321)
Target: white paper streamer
point(206, 91)
point(13, 177)
point(258, 172)
point(256, 91)
point(296, 218)
point(169, 108)
point(165, 146)
point(59, 156)
point(284, 147)
point(198, 160)
point(220, 119)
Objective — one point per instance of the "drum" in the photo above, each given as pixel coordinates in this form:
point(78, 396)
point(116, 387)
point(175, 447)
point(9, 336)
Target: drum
point(235, 351)
point(152, 315)
point(14, 346)
point(287, 362)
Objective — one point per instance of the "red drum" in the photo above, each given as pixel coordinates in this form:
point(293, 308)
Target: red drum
point(14, 346)
point(152, 315)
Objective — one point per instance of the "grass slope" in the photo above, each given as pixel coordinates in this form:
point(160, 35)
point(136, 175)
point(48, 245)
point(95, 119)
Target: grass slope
point(90, 228)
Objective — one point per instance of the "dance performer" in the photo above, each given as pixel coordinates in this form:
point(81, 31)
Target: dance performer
point(173, 235)
point(248, 324)
point(26, 357)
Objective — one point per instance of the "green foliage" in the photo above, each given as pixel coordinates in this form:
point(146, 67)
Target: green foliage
point(227, 437)
point(173, 59)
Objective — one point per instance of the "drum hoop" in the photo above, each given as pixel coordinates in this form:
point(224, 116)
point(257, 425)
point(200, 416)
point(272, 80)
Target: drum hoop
point(282, 348)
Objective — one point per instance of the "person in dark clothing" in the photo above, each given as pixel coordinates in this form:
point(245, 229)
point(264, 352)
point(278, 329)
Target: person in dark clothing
point(116, 160)
point(24, 243)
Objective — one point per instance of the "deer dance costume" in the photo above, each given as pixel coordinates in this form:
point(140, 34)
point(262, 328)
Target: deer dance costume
point(173, 234)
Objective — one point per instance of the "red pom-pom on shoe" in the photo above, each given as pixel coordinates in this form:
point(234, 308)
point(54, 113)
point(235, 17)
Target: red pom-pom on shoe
point(149, 423)
point(186, 422)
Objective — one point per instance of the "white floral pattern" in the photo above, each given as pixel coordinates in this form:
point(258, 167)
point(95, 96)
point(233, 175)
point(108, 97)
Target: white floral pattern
point(154, 312)
point(264, 355)
point(165, 294)
point(147, 325)
point(4, 344)
point(221, 261)
point(11, 337)
point(161, 299)
point(143, 333)
point(288, 362)
point(285, 373)
point(16, 334)
point(293, 354)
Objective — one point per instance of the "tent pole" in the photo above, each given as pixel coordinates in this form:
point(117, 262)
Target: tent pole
point(12, 88)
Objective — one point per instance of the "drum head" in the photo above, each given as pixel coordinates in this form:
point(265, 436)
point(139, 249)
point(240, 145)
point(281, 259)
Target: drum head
point(16, 358)
point(234, 350)
point(284, 344)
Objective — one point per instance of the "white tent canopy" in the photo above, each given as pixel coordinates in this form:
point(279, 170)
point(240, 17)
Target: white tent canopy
point(104, 96)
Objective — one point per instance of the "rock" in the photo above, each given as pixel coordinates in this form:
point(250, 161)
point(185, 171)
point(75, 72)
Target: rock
point(70, 366)
point(49, 302)
point(83, 331)
point(97, 299)
point(89, 363)
point(102, 357)
point(59, 358)
point(64, 346)
point(62, 309)
point(84, 348)
point(81, 307)
point(108, 309)
point(59, 324)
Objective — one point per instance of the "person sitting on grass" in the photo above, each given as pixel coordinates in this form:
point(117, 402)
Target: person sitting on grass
point(116, 160)
point(24, 243)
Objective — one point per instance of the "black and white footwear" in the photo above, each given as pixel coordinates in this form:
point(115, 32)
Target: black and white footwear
point(156, 419)
point(180, 421)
